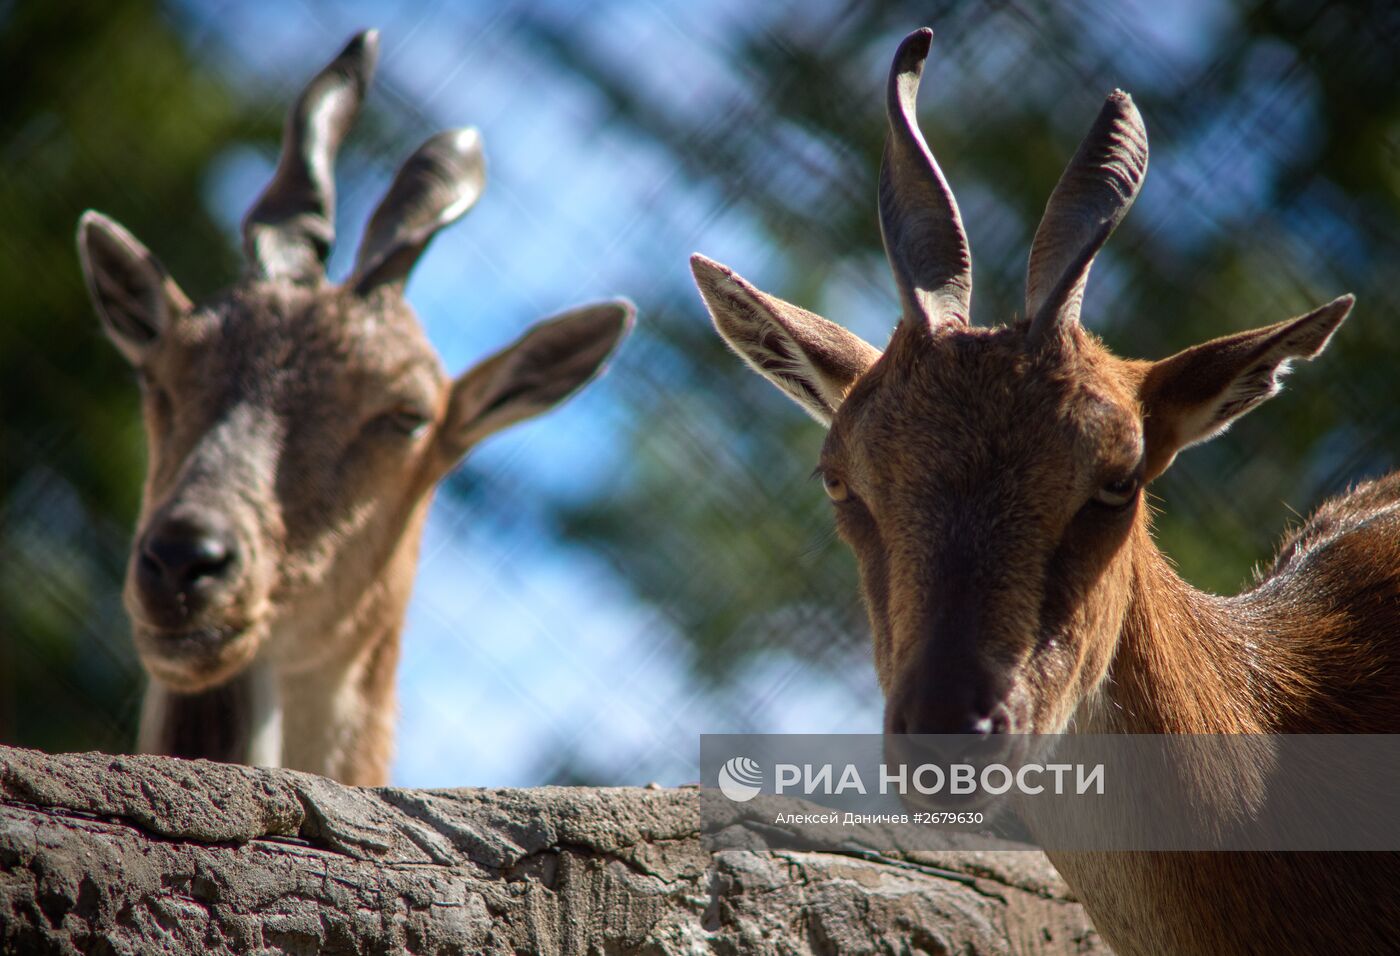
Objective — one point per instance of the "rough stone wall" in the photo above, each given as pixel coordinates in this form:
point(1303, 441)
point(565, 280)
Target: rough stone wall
point(109, 854)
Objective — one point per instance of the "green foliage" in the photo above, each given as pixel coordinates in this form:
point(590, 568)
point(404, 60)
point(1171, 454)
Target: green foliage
point(104, 107)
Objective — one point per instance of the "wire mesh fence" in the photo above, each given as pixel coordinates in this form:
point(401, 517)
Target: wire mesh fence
point(650, 562)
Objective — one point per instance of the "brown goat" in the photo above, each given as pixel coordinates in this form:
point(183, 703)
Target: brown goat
point(990, 482)
point(296, 430)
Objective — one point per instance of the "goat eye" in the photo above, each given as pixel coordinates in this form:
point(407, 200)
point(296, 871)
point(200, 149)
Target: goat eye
point(406, 420)
point(836, 489)
point(1117, 494)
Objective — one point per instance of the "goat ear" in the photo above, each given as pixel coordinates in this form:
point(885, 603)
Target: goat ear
point(134, 296)
point(1196, 394)
point(550, 362)
point(811, 359)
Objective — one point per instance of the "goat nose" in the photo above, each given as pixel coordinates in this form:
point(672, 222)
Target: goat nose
point(997, 722)
point(971, 725)
point(948, 730)
point(182, 552)
point(952, 713)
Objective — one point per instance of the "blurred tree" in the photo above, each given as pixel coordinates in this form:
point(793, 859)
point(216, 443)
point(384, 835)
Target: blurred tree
point(105, 107)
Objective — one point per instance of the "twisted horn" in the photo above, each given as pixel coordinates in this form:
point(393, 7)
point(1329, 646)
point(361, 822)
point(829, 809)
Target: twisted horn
point(288, 232)
point(438, 183)
point(1091, 198)
point(919, 221)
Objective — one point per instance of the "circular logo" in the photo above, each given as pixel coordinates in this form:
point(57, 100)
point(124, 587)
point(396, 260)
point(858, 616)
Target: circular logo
point(740, 779)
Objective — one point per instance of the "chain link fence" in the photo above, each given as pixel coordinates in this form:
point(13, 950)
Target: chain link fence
point(650, 562)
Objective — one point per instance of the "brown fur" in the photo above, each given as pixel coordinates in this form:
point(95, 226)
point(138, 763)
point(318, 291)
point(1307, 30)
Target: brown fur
point(302, 425)
point(990, 484)
point(273, 405)
point(1309, 649)
point(968, 464)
